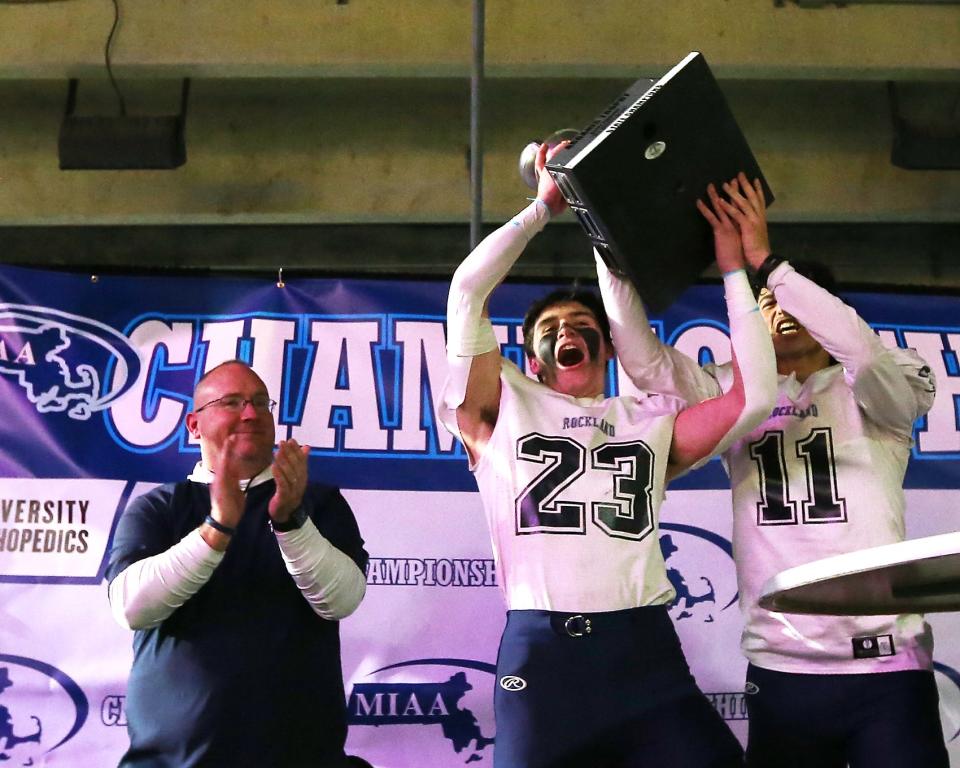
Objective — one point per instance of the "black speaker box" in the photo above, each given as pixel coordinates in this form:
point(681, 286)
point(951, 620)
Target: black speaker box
point(121, 143)
point(923, 144)
point(99, 142)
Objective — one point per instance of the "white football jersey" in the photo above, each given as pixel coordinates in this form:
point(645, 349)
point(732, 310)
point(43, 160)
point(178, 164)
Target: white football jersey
point(571, 488)
point(820, 478)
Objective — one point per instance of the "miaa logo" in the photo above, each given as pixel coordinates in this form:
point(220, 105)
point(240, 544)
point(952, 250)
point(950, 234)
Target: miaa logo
point(36, 716)
point(62, 360)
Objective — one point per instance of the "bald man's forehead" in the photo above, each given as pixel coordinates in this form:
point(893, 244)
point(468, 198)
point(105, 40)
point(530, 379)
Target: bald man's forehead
point(228, 379)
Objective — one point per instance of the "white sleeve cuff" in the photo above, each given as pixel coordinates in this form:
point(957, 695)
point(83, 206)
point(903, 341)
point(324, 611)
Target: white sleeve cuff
point(753, 349)
point(650, 364)
point(738, 294)
point(887, 382)
point(150, 590)
point(469, 330)
point(328, 579)
point(483, 270)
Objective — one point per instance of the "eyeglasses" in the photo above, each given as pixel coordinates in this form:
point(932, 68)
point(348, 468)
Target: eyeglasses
point(236, 404)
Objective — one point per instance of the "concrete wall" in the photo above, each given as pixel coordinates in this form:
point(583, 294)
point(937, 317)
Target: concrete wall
point(357, 113)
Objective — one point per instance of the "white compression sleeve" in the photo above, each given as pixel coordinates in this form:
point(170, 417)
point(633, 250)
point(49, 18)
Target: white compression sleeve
point(651, 365)
point(754, 352)
point(469, 331)
point(329, 580)
point(150, 590)
point(836, 326)
point(884, 380)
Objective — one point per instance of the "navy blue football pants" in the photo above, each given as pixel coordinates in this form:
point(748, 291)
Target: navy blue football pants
point(617, 696)
point(880, 720)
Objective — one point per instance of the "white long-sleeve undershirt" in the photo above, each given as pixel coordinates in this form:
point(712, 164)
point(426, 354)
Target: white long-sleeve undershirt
point(147, 592)
point(892, 386)
point(469, 331)
point(649, 363)
point(753, 349)
point(328, 579)
point(657, 367)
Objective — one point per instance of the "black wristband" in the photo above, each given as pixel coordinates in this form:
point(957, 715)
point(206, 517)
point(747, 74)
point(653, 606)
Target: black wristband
point(763, 272)
point(296, 520)
point(226, 530)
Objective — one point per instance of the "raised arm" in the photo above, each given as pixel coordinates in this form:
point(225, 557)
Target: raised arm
point(651, 365)
point(710, 427)
point(894, 387)
point(472, 388)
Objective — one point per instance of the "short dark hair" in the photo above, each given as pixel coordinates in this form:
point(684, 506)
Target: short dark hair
point(588, 298)
point(815, 271)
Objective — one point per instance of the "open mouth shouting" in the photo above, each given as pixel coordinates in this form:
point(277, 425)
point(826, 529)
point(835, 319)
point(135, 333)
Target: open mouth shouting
point(569, 355)
point(787, 326)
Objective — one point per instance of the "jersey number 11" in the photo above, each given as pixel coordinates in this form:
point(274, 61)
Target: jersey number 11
point(823, 503)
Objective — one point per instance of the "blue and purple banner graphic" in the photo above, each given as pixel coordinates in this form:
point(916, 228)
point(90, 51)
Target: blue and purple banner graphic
point(96, 377)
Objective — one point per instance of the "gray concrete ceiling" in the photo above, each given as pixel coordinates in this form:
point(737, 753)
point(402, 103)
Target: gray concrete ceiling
point(346, 125)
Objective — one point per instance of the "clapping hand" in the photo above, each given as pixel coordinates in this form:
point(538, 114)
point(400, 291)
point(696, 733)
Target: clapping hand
point(290, 473)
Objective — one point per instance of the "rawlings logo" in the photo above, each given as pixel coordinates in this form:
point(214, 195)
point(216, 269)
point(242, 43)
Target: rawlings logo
point(512, 683)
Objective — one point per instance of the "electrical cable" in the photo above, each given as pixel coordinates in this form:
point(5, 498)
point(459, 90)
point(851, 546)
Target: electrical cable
point(106, 56)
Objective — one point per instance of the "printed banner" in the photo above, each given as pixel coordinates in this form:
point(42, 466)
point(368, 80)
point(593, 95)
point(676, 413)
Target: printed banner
point(96, 378)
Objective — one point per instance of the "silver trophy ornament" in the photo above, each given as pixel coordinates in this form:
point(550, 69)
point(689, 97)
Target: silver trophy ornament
point(528, 157)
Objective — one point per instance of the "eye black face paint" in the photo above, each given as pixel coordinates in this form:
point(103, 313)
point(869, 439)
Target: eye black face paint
point(591, 337)
point(546, 347)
